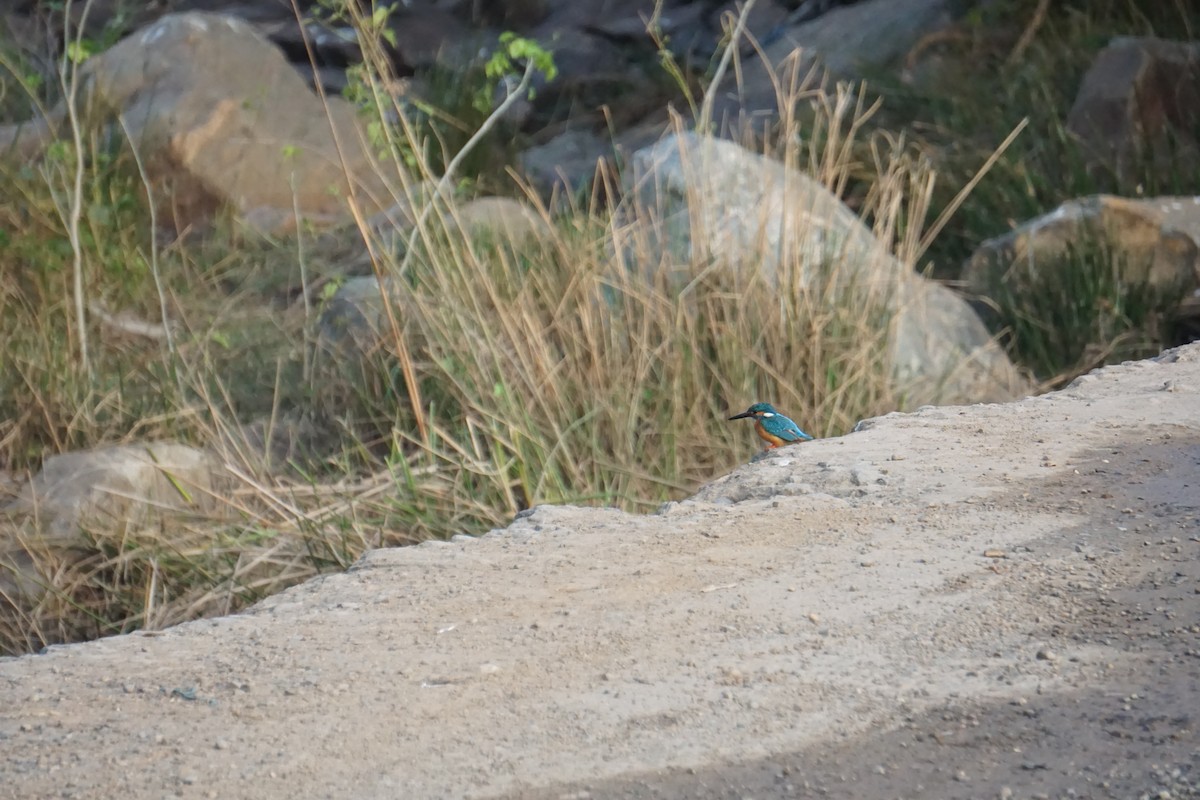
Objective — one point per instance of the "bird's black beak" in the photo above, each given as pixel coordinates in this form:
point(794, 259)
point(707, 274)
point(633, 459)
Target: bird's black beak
point(742, 415)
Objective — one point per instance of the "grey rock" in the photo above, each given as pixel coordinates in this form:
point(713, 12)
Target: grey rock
point(81, 497)
point(847, 41)
point(698, 198)
point(355, 318)
point(109, 487)
point(222, 118)
point(565, 163)
point(1157, 241)
point(501, 219)
point(1140, 101)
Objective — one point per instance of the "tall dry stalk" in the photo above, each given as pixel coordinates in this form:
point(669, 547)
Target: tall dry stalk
point(69, 76)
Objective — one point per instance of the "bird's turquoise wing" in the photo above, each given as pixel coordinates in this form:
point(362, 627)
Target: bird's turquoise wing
point(787, 430)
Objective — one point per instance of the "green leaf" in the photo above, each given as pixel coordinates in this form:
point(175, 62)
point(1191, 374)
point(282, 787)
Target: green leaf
point(80, 50)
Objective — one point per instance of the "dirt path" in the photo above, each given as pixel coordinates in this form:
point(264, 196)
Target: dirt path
point(976, 602)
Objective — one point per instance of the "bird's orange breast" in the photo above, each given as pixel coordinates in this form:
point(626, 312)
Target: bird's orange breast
point(767, 436)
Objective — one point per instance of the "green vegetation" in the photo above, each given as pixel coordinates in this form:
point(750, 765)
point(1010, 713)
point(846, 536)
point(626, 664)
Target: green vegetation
point(985, 86)
point(1082, 311)
point(1003, 64)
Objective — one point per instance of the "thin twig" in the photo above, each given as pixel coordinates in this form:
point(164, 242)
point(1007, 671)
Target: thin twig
point(953, 206)
point(445, 182)
point(167, 332)
point(71, 86)
point(1031, 30)
point(127, 323)
point(706, 108)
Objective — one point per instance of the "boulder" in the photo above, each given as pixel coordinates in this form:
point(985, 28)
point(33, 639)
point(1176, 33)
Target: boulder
point(597, 81)
point(423, 35)
point(582, 162)
point(566, 163)
point(111, 488)
point(698, 198)
point(847, 40)
point(1157, 241)
point(82, 496)
point(1139, 104)
point(354, 322)
point(509, 14)
point(222, 118)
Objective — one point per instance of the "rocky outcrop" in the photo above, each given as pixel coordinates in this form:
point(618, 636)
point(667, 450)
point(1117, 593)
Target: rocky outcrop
point(115, 486)
point(222, 118)
point(1140, 103)
point(697, 198)
point(1155, 241)
point(846, 42)
point(80, 497)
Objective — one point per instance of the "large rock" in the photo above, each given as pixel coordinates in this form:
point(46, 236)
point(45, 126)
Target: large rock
point(848, 41)
point(1157, 243)
point(567, 163)
point(501, 220)
point(703, 198)
point(221, 117)
point(1139, 104)
point(581, 162)
point(424, 35)
point(114, 487)
point(80, 497)
point(354, 321)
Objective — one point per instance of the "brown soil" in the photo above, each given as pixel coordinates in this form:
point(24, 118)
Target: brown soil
point(993, 601)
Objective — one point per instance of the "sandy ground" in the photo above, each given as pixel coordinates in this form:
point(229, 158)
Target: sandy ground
point(993, 601)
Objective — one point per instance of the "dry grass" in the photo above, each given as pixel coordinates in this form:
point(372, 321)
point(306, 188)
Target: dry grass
point(509, 375)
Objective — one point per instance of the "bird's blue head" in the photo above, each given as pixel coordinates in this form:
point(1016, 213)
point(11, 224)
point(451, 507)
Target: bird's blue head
point(757, 410)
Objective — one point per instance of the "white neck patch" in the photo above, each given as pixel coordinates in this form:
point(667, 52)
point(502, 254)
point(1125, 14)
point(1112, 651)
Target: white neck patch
point(767, 414)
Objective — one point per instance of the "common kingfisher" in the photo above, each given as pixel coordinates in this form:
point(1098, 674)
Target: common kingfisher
point(773, 428)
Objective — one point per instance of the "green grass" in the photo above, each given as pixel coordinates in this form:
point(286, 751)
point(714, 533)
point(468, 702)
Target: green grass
point(974, 97)
point(978, 96)
point(1081, 312)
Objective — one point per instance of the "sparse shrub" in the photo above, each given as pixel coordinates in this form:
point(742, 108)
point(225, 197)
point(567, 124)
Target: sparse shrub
point(981, 91)
point(961, 110)
point(1081, 312)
